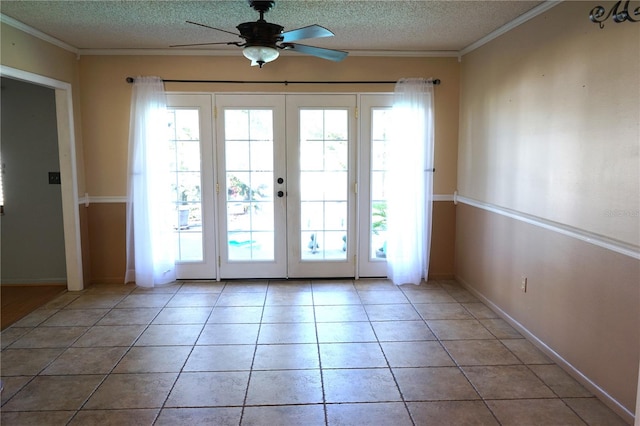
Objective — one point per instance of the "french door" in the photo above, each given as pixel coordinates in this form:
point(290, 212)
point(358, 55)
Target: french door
point(251, 187)
point(375, 125)
point(267, 187)
point(286, 185)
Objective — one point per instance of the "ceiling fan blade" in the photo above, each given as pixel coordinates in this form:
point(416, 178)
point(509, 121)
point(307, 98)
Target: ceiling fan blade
point(206, 44)
point(213, 28)
point(320, 52)
point(312, 31)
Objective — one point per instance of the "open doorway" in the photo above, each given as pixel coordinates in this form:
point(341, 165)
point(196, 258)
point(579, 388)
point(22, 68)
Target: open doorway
point(32, 227)
point(33, 264)
point(67, 170)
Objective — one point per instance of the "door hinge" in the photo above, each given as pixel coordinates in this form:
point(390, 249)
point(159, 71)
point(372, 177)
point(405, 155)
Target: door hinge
point(217, 188)
point(355, 187)
point(219, 261)
point(356, 112)
point(215, 112)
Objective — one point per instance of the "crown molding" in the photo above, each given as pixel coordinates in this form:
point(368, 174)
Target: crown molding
point(228, 52)
point(154, 52)
point(407, 53)
point(538, 10)
point(36, 33)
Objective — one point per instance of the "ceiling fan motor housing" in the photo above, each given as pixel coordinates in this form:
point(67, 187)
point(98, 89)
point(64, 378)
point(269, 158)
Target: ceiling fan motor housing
point(260, 33)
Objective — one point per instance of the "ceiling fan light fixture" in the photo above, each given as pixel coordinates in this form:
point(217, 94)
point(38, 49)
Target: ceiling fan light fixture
point(262, 40)
point(260, 54)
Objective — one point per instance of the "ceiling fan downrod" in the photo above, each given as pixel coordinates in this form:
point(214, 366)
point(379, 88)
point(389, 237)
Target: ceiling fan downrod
point(262, 7)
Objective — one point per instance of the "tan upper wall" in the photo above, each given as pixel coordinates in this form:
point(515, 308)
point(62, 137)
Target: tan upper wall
point(106, 99)
point(25, 52)
point(549, 122)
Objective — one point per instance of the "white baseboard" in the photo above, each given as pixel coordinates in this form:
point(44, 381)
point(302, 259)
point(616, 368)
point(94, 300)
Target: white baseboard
point(36, 281)
point(607, 399)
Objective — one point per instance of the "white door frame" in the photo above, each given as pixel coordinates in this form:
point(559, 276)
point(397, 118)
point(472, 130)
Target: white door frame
point(68, 170)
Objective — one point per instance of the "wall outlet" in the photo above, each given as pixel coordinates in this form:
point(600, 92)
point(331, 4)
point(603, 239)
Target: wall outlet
point(523, 283)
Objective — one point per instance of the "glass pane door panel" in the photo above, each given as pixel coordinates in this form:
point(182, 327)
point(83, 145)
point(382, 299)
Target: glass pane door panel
point(324, 159)
point(380, 122)
point(184, 127)
point(249, 151)
point(237, 155)
point(190, 246)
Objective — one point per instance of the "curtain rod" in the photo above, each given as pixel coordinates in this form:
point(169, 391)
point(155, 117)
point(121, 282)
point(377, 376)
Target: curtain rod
point(285, 82)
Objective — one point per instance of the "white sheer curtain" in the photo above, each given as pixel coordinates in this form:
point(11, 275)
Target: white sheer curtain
point(150, 250)
point(410, 182)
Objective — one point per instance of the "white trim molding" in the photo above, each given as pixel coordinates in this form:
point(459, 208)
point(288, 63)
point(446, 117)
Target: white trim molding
point(87, 200)
point(36, 33)
point(582, 235)
point(55, 281)
point(443, 197)
point(538, 10)
point(228, 52)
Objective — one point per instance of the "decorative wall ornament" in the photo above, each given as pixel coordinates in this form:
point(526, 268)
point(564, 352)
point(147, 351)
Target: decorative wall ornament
point(598, 13)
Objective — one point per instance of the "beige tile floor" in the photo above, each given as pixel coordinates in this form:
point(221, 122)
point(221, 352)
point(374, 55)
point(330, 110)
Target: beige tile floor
point(315, 352)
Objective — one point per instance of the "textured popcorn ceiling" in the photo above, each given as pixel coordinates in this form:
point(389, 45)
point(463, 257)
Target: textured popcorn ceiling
point(403, 26)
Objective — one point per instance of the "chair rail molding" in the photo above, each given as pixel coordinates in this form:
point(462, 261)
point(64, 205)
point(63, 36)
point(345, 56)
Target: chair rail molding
point(586, 236)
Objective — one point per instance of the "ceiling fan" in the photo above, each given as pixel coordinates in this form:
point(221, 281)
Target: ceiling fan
point(261, 40)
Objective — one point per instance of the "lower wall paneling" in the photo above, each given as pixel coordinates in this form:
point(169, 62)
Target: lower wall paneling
point(107, 242)
point(443, 231)
point(582, 301)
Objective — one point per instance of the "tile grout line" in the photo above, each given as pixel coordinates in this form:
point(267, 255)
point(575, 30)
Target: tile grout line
point(253, 358)
point(164, 402)
point(464, 374)
point(393, 375)
point(315, 326)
